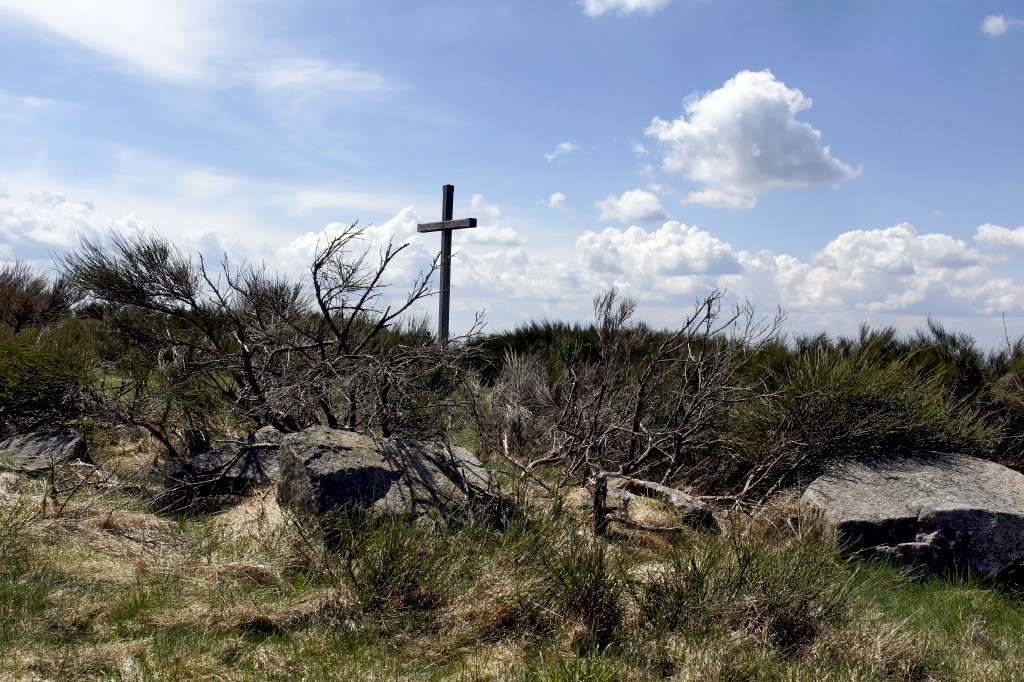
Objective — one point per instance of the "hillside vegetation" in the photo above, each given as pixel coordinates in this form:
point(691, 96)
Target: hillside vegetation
point(155, 356)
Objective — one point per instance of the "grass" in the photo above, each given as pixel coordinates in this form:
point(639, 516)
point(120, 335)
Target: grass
point(109, 591)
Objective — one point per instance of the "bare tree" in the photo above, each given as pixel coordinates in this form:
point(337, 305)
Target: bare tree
point(650, 404)
point(278, 351)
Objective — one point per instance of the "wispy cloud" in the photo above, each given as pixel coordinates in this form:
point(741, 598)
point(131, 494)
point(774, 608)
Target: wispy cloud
point(561, 149)
point(595, 8)
point(209, 43)
point(305, 86)
point(20, 109)
point(175, 40)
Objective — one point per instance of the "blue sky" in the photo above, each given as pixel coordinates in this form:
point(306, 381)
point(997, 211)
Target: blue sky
point(847, 162)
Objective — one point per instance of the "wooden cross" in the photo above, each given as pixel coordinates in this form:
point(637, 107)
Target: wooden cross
point(445, 227)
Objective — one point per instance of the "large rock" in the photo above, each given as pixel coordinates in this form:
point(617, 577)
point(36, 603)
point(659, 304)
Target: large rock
point(217, 478)
point(325, 469)
point(34, 453)
point(689, 510)
point(934, 513)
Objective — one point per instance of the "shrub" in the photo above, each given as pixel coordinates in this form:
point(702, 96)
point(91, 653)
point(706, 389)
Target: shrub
point(45, 356)
point(29, 299)
point(832, 404)
point(586, 582)
point(42, 373)
point(241, 343)
point(782, 591)
point(646, 404)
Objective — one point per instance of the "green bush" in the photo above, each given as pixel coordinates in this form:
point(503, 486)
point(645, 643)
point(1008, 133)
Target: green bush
point(830, 404)
point(45, 354)
point(782, 591)
point(41, 374)
point(586, 582)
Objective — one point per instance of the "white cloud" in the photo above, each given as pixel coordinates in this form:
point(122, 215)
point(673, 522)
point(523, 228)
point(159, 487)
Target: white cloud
point(20, 109)
point(301, 86)
point(636, 205)
point(45, 219)
point(893, 269)
point(561, 149)
point(478, 205)
point(890, 275)
point(213, 43)
point(307, 200)
point(172, 39)
point(490, 231)
point(295, 256)
point(716, 198)
point(998, 24)
point(743, 140)
point(490, 235)
point(557, 202)
point(666, 260)
point(1001, 237)
point(595, 8)
point(206, 184)
point(885, 273)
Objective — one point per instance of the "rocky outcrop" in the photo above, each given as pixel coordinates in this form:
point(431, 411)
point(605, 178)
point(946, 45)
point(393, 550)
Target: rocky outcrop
point(217, 478)
point(34, 453)
point(323, 470)
point(934, 513)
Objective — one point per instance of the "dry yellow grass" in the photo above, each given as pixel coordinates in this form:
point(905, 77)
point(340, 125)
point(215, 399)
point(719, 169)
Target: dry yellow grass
point(110, 591)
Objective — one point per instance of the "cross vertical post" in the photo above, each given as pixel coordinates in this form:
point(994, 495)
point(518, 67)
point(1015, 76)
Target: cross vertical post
point(445, 227)
point(444, 306)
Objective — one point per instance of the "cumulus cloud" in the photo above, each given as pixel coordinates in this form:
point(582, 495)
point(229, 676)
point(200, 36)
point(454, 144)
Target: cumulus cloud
point(891, 274)
point(491, 231)
point(295, 256)
point(636, 205)
point(1001, 237)
point(595, 8)
point(998, 24)
point(561, 149)
point(890, 271)
point(556, 201)
point(666, 259)
point(743, 140)
point(49, 219)
point(496, 235)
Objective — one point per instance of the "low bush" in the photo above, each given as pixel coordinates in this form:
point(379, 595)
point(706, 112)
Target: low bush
point(41, 374)
point(829, 405)
point(45, 355)
point(781, 591)
point(586, 585)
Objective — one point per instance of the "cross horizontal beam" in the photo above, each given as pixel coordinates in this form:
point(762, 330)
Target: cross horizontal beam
point(446, 225)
